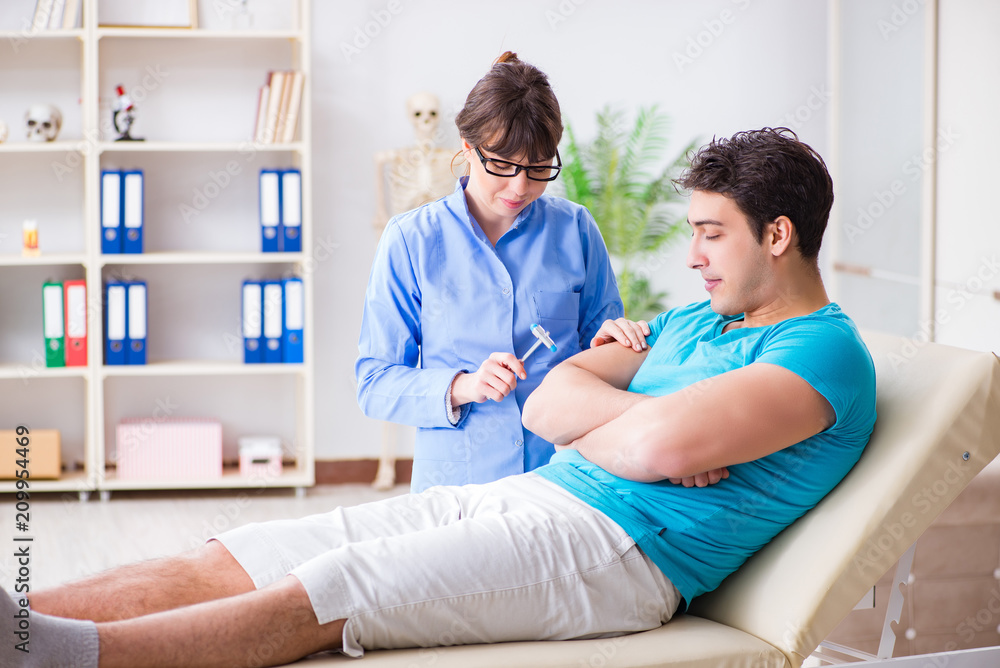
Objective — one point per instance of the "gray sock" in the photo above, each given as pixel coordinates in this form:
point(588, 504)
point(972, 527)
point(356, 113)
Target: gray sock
point(34, 640)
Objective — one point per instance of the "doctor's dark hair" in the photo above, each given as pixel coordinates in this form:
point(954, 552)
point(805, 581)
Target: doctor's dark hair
point(512, 111)
point(768, 173)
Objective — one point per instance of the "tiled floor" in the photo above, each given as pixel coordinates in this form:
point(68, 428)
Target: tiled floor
point(74, 539)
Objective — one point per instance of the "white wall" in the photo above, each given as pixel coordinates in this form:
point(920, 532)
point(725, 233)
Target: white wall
point(968, 233)
point(878, 183)
point(749, 63)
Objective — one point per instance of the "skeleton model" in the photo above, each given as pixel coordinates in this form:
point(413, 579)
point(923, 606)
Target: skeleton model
point(43, 122)
point(409, 177)
point(405, 179)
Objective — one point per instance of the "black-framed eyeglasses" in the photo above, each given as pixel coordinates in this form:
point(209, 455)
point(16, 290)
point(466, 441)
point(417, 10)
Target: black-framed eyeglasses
point(508, 169)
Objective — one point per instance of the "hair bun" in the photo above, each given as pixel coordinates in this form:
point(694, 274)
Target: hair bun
point(507, 57)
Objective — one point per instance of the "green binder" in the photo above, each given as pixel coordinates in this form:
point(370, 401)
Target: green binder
point(53, 314)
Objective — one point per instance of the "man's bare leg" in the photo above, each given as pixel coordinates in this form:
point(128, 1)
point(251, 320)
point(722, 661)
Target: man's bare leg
point(272, 626)
point(204, 574)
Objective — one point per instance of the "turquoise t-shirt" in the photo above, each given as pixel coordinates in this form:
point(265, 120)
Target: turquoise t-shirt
point(699, 535)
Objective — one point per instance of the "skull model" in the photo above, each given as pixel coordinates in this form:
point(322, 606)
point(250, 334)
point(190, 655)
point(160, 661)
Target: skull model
point(424, 111)
point(3, 132)
point(43, 122)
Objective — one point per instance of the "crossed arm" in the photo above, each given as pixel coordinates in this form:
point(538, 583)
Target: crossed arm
point(735, 417)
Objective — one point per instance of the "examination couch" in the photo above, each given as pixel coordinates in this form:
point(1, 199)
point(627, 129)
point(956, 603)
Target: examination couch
point(938, 426)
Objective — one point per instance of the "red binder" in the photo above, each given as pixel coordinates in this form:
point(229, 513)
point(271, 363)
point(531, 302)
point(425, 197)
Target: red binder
point(76, 322)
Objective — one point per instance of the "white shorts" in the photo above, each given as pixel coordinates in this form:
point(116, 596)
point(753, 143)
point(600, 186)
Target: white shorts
point(516, 559)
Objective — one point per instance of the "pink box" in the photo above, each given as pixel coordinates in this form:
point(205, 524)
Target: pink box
point(260, 457)
point(169, 449)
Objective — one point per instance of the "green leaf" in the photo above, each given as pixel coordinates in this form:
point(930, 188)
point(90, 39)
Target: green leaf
point(621, 177)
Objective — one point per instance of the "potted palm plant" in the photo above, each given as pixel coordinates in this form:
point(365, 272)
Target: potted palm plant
point(620, 178)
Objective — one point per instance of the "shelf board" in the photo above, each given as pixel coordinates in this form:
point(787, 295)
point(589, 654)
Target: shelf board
point(42, 260)
point(194, 257)
point(14, 36)
point(31, 372)
point(200, 368)
point(24, 146)
point(192, 147)
point(73, 481)
point(195, 33)
point(231, 479)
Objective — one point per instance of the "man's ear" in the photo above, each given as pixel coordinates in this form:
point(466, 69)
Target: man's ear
point(780, 235)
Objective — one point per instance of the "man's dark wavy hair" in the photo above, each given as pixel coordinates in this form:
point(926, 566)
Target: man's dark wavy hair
point(768, 173)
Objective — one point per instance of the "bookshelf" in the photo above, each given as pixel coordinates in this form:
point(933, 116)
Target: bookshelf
point(196, 93)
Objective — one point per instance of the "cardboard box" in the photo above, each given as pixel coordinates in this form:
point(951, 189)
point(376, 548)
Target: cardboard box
point(174, 449)
point(44, 454)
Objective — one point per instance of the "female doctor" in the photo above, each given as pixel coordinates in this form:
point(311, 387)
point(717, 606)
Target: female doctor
point(456, 285)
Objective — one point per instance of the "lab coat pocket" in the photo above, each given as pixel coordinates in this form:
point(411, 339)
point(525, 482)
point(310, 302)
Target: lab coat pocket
point(558, 313)
point(557, 305)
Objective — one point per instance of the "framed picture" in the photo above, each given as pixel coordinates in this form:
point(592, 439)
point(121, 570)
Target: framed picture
point(147, 13)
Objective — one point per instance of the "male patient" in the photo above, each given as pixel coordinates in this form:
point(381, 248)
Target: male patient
point(674, 466)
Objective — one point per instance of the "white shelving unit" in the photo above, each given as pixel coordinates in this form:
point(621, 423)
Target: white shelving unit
point(194, 268)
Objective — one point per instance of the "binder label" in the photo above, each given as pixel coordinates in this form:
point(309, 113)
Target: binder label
point(110, 203)
point(252, 320)
point(116, 312)
point(291, 200)
point(52, 299)
point(270, 213)
point(137, 312)
point(133, 200)
point(294, 316)
point(272, 311)
point(76, 311)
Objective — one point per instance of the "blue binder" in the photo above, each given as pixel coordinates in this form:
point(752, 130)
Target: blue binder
point(111, 207)
point(293, 320)
point(115, 322)
point(136, 314)
point(270, 210)
point(132, 213)
point(253, 322)
point(272, 321)
point(291, 210)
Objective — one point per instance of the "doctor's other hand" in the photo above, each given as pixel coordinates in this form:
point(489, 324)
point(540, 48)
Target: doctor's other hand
point(702, 479)
point(630, 333)
point(495, 379)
